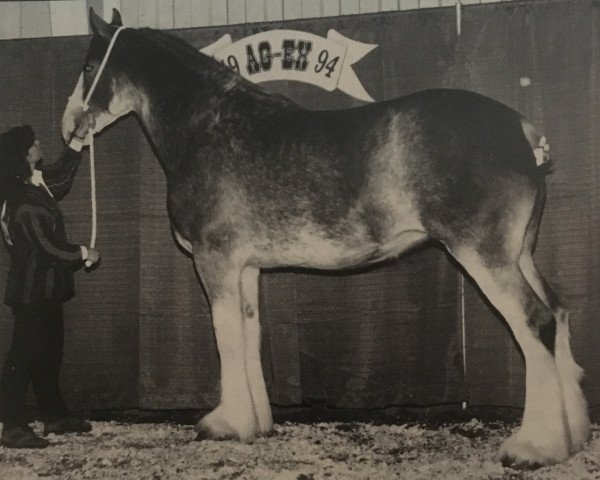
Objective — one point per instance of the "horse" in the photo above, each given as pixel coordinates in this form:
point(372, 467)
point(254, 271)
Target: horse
point(256, 181)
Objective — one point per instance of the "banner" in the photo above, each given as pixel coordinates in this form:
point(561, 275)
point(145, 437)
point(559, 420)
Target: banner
point(295, 55)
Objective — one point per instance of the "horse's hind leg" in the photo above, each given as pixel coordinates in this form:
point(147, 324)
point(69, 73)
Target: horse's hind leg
point(249, 289)
point(543, 436)
point(570, 375)
point(569, 372)
point(234, 417)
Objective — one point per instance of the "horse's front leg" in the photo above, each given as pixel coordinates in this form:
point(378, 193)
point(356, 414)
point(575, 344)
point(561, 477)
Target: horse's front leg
point(258, 389)
point(235, 416)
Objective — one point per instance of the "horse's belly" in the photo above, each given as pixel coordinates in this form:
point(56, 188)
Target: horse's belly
point(318, 253)
point(312, 249)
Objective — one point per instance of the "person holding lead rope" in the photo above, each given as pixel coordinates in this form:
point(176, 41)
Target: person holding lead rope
point(40, 280)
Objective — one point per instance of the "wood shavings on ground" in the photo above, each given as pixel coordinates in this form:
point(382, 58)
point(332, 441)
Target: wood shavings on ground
point(317, 451)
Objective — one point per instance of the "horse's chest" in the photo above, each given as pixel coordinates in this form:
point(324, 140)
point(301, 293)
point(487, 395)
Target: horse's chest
point(185, 206)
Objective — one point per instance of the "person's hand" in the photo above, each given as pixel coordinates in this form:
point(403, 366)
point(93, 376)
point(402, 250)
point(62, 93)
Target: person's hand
point(83, 123)
point(92, 257)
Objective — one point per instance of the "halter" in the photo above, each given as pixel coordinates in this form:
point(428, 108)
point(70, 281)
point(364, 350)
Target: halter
point(101, 68)
point(90, 137)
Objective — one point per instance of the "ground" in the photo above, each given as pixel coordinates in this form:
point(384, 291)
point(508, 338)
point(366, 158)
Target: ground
point(297, 451)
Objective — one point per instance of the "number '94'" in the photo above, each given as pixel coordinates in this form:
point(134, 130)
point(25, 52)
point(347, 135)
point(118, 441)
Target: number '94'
point(323, 62)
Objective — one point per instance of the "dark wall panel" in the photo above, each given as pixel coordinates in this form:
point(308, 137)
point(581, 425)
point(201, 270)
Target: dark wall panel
point(139, 331)
point(101, 323)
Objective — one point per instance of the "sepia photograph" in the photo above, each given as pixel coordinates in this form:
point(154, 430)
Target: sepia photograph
point(300, 239)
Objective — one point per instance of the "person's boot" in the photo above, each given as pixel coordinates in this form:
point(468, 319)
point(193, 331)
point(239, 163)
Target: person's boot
point(67, 424)
point(21, 436)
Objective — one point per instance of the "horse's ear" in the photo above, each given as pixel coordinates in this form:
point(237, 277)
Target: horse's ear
point(116, 18)
point(99, 26)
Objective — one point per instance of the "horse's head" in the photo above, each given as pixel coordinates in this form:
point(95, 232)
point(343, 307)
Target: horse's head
point(111, 97)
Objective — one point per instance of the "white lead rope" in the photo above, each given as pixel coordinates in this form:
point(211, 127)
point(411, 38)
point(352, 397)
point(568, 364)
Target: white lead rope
point(90, 137)
point(88, 263)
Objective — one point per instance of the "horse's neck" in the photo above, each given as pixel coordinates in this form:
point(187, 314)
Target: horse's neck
point(189, 98)
point(176, 119)
point(182, 117)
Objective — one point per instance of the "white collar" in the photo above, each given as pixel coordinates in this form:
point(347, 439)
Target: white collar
point(37, 180)
point(4, 224)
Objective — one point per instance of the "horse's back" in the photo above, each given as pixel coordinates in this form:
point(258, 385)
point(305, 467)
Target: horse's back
point(467, 162)
point(446, 153)
point(440, 162)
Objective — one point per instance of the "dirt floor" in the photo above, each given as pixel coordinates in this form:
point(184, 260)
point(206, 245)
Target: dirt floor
point(298, 450)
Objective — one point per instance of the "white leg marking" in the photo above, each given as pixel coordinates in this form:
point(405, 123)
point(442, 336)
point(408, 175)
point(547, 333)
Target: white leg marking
point(569, 372)
point(258, 389)
point(570, 375)
point(543, 436)
point(234, 417)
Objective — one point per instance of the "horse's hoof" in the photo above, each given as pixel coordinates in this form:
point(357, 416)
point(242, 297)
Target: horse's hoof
point(269, 433)
point(214, 427)
point(509, 461)
point(207, 435)
point(524, 455)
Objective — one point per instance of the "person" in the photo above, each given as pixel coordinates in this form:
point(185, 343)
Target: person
point(40, 280)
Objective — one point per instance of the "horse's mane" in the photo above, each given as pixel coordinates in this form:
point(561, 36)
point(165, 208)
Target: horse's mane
point(185, 53)
point(202, 65)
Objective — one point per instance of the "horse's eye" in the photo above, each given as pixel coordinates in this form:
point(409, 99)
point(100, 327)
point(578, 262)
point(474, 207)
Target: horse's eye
point(88, 68)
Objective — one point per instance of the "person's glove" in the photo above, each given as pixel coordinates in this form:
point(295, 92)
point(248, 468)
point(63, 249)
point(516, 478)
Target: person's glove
point(83, 123)
point(89, 255)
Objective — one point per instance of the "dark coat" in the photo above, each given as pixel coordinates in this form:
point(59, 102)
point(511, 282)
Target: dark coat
point(42, 259)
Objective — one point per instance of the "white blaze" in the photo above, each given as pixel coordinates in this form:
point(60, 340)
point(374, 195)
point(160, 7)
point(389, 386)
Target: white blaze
point(73, 108)
point(119, 105)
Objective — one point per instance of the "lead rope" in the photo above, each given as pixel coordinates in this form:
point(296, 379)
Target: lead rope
point(88, 263)
point(463, 313)
point(463, 339)
point(90, 138)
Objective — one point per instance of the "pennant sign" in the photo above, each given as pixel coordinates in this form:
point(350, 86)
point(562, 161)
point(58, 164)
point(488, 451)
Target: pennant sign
point(295, 55)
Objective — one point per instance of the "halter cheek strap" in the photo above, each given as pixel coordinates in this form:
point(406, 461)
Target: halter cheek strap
point(101, 68)
point(85, 108)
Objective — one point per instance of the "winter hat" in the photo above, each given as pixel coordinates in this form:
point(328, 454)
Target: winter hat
point(14, 146)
